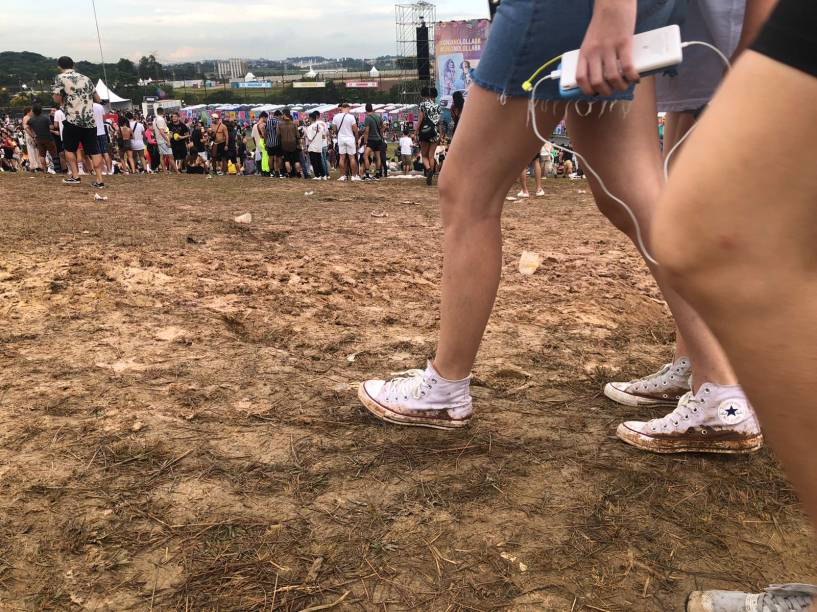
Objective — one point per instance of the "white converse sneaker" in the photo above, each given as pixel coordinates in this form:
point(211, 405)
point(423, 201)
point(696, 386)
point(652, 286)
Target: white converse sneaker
point(776, 598)
point(540, 193)
point(663, 388)
point(421, 398)
point(718, 419)
point(522, 194)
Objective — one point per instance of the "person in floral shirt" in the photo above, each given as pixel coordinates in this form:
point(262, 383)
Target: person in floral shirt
point(77, 94)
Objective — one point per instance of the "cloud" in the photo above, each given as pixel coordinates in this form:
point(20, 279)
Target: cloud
point(186, 30)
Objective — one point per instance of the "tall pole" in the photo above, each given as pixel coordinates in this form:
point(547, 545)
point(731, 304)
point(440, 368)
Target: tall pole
point(101, 57)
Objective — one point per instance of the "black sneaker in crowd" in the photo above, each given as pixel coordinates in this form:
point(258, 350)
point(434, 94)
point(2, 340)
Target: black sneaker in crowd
point(429, 176)
point(71, 181)
point(96, 185)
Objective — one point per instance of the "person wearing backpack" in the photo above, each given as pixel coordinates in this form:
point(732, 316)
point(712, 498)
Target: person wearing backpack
point(427, 130)
point(290, 144)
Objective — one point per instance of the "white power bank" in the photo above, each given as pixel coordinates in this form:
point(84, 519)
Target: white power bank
point(652, 50)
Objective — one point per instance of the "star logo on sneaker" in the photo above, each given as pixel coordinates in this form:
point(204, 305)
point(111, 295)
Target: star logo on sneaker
point(732, 411)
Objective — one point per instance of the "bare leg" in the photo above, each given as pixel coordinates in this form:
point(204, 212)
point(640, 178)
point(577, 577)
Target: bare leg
point(98, 163)
point(523, 181)
point(73, 168)
point(605, 140)
point(743, 248)
point(537, 173)
point(675, 126)
point(471, 210)
point(427, 152)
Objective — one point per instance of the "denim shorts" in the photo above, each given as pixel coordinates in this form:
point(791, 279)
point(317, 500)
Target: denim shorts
point(527, 33)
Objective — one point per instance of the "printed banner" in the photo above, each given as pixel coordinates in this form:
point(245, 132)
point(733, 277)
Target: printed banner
point(361, 84)
point(252, 85)
point(309, 84)
point(458, 46)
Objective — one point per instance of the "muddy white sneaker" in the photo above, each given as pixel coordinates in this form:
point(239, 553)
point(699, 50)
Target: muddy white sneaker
point(663, 388)
point(421, 398)
point(718, 419)
point(522, 194)
point(776, 598)
point(540, 193)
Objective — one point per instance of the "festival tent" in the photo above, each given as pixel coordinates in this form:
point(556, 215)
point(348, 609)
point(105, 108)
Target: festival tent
point(115, 101)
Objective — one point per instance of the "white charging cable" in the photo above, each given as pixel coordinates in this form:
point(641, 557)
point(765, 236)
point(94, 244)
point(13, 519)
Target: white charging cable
point(639, 237)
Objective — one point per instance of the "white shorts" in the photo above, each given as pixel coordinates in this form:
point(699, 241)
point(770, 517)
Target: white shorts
point(346, 145)
point(203, 155)
point(718, 22)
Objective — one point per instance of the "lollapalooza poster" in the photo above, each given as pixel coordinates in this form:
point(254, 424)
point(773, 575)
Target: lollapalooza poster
point(458, 46)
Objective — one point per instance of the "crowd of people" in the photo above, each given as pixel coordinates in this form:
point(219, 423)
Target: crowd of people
point(276, 145)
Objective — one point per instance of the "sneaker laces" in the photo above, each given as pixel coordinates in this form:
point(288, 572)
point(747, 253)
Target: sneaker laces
point(687, 406)
point(410, 383)
point(649, 378)
point(785, 599)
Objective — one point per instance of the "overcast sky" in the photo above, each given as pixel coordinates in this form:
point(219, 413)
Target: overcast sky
point(182, 30)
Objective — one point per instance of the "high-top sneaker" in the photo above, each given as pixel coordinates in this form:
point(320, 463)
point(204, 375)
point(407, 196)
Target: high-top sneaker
point(663, 388)
point(421, 398)
point(717, 419)
point(776, 598)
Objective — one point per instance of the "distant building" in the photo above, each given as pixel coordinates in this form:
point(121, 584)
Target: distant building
point(194, 83)
point(232, 68)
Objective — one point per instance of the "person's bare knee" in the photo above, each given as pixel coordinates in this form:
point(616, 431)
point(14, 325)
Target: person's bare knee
point(616, 215)
point(459, 207)
point(706, 266)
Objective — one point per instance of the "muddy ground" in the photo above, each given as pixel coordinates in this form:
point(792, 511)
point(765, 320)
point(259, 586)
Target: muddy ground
point(180, 429)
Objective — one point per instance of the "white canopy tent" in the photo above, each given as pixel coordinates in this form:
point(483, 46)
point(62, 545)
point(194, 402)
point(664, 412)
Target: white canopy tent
point(106, 94)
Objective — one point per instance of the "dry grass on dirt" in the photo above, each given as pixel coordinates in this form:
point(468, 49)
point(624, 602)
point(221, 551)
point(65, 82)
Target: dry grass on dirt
point(180, 429)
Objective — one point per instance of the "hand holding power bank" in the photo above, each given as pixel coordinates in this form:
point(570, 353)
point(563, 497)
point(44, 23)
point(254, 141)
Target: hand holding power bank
point(652, 51)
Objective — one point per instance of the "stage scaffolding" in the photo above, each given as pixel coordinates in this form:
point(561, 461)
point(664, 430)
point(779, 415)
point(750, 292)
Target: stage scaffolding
point(407, 18)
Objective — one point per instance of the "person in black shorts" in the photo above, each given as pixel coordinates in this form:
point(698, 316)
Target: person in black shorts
point(76, 92)
point(179, 136)
point(232, 141)
point(737, 237)
point(273, 142)
point(373, 140)
point(197, 138)
point(219, 134)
